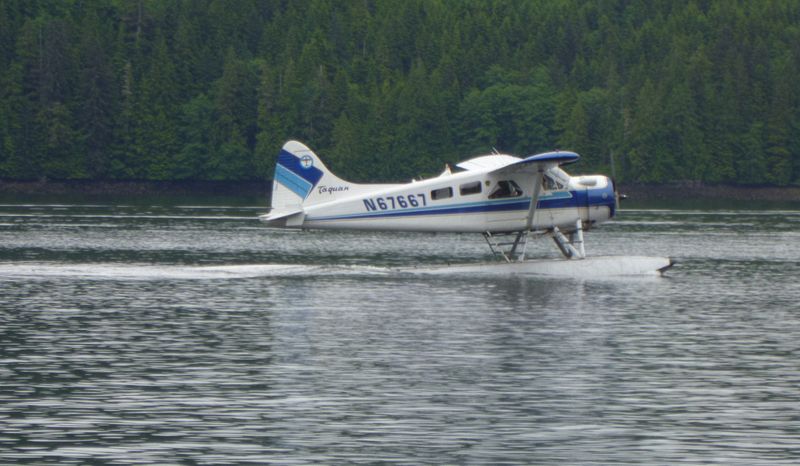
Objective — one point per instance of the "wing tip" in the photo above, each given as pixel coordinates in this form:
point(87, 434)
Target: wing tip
point(559, 157)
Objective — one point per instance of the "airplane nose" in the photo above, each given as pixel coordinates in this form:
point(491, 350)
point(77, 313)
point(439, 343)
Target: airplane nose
point(602, 199)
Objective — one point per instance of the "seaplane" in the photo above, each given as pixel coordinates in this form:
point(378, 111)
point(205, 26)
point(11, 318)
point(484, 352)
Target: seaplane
point(509, 200)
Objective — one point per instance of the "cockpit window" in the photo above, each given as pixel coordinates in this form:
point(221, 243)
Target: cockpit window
point(506, 188)
point(552, 183)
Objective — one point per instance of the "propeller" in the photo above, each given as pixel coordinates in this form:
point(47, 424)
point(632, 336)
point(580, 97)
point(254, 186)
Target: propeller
point(620, 196)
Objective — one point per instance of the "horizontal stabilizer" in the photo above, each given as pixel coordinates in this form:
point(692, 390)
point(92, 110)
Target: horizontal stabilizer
point(273, 216)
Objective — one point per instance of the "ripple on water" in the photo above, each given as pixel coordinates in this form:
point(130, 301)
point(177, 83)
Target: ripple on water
point(184, 351)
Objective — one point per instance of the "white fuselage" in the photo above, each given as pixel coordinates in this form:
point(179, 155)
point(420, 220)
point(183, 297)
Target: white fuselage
point(506, 198)
point(469, 201)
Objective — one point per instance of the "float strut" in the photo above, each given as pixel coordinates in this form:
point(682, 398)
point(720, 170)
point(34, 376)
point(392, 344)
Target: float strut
point(565, 246)
point(579, 238)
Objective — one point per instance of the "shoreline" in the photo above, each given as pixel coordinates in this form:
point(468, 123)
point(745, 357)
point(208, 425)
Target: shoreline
point(702, 192)
point(93, 189)
point(125, 189)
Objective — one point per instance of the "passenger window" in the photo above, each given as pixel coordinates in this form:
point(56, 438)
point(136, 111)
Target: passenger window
point(442, 193)
point(506, 188)
point(470, 188)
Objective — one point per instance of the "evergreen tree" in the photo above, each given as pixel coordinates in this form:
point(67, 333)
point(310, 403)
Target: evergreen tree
point(96, 94)
point(389, 89)
point(155, 115)
point(778, 126)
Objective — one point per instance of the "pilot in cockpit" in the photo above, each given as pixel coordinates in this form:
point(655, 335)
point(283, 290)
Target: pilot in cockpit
point(506, 188)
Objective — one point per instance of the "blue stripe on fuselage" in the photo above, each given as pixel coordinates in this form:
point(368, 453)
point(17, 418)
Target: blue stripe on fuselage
point(557, 200)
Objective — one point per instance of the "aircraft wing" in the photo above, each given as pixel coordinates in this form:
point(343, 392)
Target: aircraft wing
point(538, 163)
point(488, 162)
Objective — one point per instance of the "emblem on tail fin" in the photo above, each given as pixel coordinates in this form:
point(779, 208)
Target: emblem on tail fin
point(302, 180)
point(298, 174)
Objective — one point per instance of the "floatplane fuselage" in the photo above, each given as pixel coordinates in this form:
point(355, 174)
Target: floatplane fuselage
point(508, 199)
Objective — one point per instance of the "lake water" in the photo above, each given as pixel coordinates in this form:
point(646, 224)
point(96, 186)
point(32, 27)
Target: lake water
point(135, 334)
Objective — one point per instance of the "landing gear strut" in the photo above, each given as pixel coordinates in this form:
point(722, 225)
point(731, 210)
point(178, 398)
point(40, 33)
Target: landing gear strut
point(572, 247)
point(511, 246)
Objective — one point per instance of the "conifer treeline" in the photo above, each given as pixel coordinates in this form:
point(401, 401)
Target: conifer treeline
point(210, 89)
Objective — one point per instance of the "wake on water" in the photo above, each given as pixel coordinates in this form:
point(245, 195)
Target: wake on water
point(144, 272)
point(12, 271)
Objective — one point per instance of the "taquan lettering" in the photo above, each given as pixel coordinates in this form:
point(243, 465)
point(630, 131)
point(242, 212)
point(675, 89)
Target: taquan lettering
point(322, 189)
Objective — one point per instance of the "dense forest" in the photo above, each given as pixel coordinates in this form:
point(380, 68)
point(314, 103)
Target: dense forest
point(652, 90)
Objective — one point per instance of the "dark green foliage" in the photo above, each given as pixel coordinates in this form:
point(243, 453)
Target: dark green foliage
point(392, 89)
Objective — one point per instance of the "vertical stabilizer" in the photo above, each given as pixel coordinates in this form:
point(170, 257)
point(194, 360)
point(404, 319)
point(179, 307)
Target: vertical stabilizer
point(302, 180)
point(297, 174)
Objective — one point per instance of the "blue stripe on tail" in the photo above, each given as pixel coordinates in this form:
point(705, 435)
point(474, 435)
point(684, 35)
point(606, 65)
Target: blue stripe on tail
point(298, 174)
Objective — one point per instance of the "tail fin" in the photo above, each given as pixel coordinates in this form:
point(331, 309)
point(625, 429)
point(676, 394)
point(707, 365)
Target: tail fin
point(301, 179)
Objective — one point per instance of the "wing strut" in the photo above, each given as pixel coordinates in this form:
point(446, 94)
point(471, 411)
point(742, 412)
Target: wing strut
point(537, 189)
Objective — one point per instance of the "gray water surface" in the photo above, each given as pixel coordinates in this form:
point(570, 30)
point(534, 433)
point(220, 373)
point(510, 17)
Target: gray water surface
point(194, 335)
